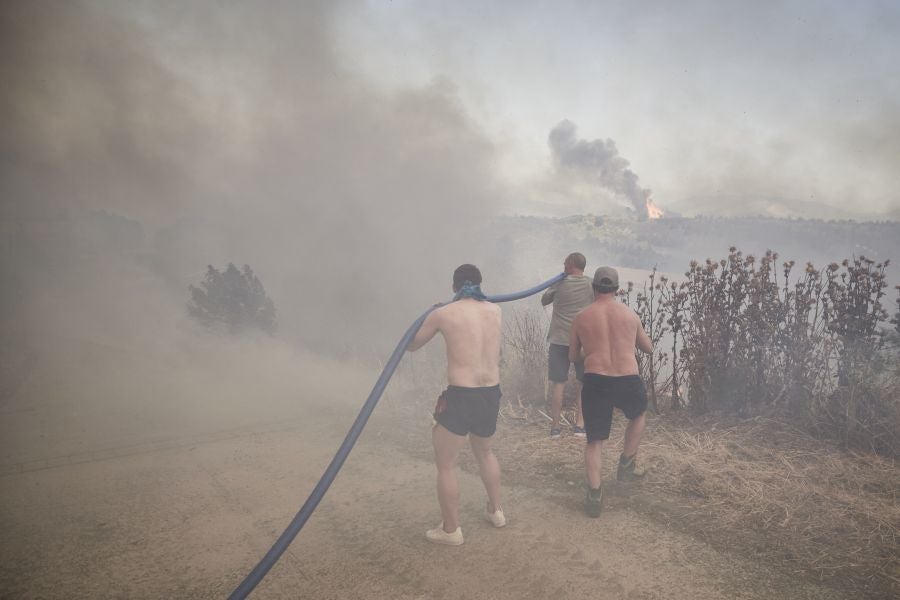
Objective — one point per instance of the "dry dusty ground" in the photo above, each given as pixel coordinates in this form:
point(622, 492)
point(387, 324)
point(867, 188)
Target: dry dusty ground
point(187, 515)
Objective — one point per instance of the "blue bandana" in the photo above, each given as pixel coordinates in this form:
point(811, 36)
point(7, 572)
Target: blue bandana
point(470, 290)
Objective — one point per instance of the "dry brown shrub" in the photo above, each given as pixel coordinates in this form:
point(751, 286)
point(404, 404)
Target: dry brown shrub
point(650, 305)
point(524, 357)
point(746, 336)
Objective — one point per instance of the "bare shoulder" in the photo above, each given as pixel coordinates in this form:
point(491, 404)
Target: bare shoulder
point(486, 309)
point(483, 306)
point(494, 314)
point(583, 315)
point(632, 314)
point(438, 314)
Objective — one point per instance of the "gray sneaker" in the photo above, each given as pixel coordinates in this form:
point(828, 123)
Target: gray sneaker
point(439, 536)
point(593, 503)
point(629, 470)
point(497, 519)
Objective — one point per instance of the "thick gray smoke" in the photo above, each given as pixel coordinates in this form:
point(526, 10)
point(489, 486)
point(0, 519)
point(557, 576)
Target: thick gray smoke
point(599, 162)
point(174, 135)
point(143, 141)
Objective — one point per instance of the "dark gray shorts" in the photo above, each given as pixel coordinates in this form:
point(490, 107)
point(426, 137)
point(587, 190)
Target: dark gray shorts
point(558, 364)
point(464, 410)
point(600, 394)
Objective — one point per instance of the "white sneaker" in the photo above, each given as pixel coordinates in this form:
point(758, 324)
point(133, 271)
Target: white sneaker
point(439, 536)
point(496, 518)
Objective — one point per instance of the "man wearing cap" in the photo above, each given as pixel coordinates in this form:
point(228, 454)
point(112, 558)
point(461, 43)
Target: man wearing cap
point(469, 406)
point(569, 297)
point(606, 334)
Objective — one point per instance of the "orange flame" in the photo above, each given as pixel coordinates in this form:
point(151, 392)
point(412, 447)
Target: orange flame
point(653, 211)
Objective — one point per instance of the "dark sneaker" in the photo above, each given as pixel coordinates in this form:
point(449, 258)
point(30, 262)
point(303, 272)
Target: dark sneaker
point(555, 433)
point(579, 432)
point(629, 470)
point(593, 502)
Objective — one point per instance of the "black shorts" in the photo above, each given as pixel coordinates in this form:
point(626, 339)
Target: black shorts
point(558, 364)
point(464, 410)
point(602, 393)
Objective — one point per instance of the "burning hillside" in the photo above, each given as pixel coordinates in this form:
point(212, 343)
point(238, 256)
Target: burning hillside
point(598, 164)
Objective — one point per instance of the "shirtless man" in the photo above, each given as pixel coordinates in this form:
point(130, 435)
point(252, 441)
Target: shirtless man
point(470, 404)
point(606, 334)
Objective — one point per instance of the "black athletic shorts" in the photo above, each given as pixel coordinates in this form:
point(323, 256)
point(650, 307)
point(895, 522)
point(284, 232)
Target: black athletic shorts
point(602, 393)
point(558, 364)
point(464, 410)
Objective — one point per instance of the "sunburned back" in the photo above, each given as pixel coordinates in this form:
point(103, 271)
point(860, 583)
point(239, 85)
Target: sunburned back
point(607, 332)
point(471, 331)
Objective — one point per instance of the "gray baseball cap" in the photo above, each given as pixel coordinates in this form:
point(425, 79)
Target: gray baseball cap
point(606, 279)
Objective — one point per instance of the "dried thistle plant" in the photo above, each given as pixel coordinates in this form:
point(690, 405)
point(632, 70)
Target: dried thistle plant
point(745, 335)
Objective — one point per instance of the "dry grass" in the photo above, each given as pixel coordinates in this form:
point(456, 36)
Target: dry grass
point(813, 508)
point(755, 487)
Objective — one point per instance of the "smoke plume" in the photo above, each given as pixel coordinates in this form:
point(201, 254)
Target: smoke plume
point(599, 162)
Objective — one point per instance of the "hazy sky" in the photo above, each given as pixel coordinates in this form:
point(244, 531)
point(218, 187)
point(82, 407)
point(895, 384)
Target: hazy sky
point(151, 109)
point(718, 106)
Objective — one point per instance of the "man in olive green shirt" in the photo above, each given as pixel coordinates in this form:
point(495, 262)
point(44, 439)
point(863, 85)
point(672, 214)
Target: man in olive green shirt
point(569, 297)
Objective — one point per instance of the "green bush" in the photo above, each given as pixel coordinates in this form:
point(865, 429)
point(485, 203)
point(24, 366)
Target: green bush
point(234, 300)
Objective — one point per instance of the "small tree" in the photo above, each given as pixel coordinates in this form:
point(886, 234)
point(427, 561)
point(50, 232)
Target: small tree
point(234, 299)
point(896, 319)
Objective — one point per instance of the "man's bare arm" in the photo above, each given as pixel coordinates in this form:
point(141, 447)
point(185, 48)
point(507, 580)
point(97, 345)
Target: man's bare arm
point(427, 331)
point(547, 298)
point(643, 342)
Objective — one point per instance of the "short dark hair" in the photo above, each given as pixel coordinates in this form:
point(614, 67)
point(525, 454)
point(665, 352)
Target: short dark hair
point(577, 260)
point(464, 273)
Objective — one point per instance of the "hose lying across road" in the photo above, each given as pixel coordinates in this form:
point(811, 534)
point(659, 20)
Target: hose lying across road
point(275, 552)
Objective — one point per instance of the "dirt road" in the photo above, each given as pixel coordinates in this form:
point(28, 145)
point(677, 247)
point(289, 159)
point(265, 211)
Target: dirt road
point(189, 516)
